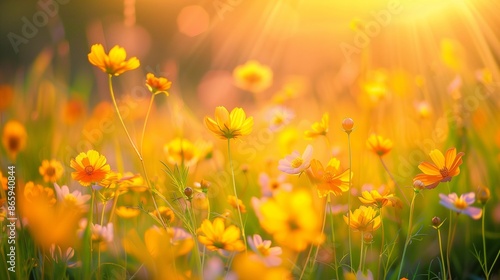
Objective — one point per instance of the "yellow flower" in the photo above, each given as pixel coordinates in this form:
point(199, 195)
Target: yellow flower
point(318, 128)
point(38, 193)
point(157, 85)
point(379, 145)
point(253, 76)
point(442, 169)
point(127, 212)
point(379, 200)
point(14, 138)
point(181, 151)
point(228, 126)
point(292, 220)
point(330, 179)
point(166, 214)
point(215, 236)
point(236, 203)
point(114, 63)
point(91, 167)
point(51, 170)
point(3, 181)
point(363, 219)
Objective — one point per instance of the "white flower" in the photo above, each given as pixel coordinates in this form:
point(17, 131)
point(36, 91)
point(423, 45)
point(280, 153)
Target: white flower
point(76, 198)
point(295, 163)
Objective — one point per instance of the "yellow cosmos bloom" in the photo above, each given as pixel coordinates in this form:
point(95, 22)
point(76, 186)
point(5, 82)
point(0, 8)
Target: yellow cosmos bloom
point(51, 170)
point(253, 76)
point(379, 145)
point(363, 219)
point(157, 85)
point(166, 214)
point(114, 63)
point(330, 179)
point(375, 198)
point(443, 168)
point(215, 236)
point(181, 151)
point(91, 167)
point(127, 212)
point(318, 128)
point(236, 203)
point(227, 126)
point(14, 138)
point(34, 193)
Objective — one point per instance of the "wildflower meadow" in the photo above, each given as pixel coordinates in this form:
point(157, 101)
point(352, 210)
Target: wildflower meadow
point(238, 139)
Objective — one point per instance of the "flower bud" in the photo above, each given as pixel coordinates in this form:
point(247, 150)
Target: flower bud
point(436, 222)
point(367, 238)
point(188, 192)
point(204, 185)
point(418, 185)
point(483, 195)
point(347, 125)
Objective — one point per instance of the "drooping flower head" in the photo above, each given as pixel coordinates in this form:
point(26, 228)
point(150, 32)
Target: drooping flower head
point(236, 203)
point(296, 163)
point(157, 85)
point(330, 179)
point(253, 76)
point(461, 204)
point(113, 63)
point(51, 170)
point(228, 126)
point(215, 236)
point(375, 198)
point(363, 219)
point(90, 167)
point(14, 138)
point(379, 145)
point(318, 128)
point(442, 169)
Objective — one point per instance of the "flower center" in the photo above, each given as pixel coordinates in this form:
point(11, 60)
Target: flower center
point(263, 250)
point(14, 143)
point(460, 204)
point(219, 244)
point(50, 171)
point(89, 170)
point(444, 172)
point(297, 162)
point(253, 77)
point(278, 119)
point(274, 185)
point(293, 225)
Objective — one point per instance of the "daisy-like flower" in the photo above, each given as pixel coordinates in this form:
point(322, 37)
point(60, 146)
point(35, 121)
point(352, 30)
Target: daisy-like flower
point(442, 169)
point(102, 233)
point(236, 203)
point(375, 198)
point(14, 138)
point(51, 170)
point(279, 117)
point(296, 163)
point(379, 145)
point(270, 186)
point(91, 167)
point(253, 76)
point(181, 151)
point(461, 204)
point(38, 193)
point(364, 219)
point(127, 212)
point(62, 257)
point(330, 179)
point(318, 128)
point(74, 198)
point(215, 236)
point(269, 255)
point(227, 126)
point(114, 63)
point(157, 85)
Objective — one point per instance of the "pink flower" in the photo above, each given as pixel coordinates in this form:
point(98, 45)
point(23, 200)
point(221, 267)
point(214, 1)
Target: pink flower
point(271, 185)
point(461, 204)
point(269, 255)
point(295, 163)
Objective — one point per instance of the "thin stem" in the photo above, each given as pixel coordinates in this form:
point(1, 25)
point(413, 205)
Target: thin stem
point(349, 200)
point(381, 242)
point(441, 252)
point(146, 121)
point(392, 178)
point(360, 267)
point(197, 251)
point(450, 244)
point(205, 247)
point(242, 226)
point(322, 230)
point(485, 264)
point(333, 238)
point(307, 261)
point(408, 236)
point(448, 241)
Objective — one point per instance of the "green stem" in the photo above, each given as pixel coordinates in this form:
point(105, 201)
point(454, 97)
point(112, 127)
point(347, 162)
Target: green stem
point(242, 226)
point(322, 230)
point(485, 264)
point(392, 178)
point(307, 261)
point(448, 241)
point(333, 238)
point(381, 243)
point(146, 121)
point(196, 249)
point(349, 200)
point(408, 236)
point(441, 252)
point(360, 267)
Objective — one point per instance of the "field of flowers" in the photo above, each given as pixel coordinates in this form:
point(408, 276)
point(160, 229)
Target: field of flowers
point(280, 140)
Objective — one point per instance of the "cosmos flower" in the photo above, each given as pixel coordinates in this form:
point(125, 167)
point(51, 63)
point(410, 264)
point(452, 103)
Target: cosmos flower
point(375, 198)
point(379, 145)
point(270, 186)
point(296, 163)
point(51, 170)
point(236, 203)
point(442, 169)
point(157, 85)
point(318, 128)
point(461, 204)
point(38, 193)
point(166, 213)
point(75, 198)
point(330, 179)
point(269, 255)
point(363, 219)
point(181, 151)
point(227, 126)
point(215, 236)
point(91, 167)
point(253, 76)
point(14, 138)
point(114, 63)
point(279, 117)
point(127, 212)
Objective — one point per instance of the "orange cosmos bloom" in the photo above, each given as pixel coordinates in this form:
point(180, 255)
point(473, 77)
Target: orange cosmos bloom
point(14, 138)
point(157, 85)
point(228, 126)
point(375, 198)
point(236, 203)
point(318, 128)
point(442, 169)
point(51, 170)
point(253, 76)
point(114, 63)
point(91, 167)
point(330, 178)
point(379, 145)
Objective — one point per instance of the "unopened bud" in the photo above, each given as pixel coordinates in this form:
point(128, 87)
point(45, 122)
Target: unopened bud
point(436, 222)
point(188, 192)
point(347, 125)
point(367, 238)
point(418, 185)
point(483, 195)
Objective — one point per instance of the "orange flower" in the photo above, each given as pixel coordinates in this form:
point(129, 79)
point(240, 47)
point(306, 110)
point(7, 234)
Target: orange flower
point(51, 170)
point(236, 203)
point(318, 128)
point(114, 63)
point(14, 138)
point(330, 178)
point(90, 168)
point(379, 145)
point(157, 85)
point(37, 193)
point(442, 169)
point(253, 76)
point(375, 198)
